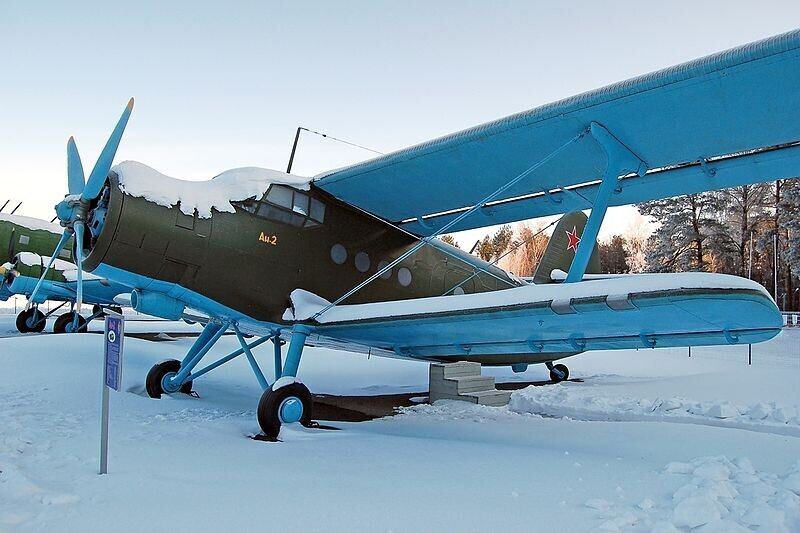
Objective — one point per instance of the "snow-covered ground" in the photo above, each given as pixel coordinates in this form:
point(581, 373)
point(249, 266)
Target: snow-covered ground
point(652, 440)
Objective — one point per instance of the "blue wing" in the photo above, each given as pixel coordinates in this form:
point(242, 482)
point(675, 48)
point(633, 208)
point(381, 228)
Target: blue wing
point(736, 112)
point(538, 323)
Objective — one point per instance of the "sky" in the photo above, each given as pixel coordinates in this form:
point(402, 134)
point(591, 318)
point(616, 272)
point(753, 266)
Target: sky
point(220, 85)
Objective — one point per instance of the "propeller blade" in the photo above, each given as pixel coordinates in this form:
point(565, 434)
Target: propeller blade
point(4, 205)
point(15, 209)
point(75, 178)
point(60, 246)
point(78, 227)
point(100, 171)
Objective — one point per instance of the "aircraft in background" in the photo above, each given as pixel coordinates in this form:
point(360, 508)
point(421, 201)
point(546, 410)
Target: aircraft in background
point(349, 259)
point(26, 240)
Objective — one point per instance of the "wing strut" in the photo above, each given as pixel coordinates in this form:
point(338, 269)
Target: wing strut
point(462, 216)
point(619, 161)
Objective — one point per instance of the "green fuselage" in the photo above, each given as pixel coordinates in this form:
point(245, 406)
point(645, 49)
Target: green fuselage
point(251, 260)
point(25, 234)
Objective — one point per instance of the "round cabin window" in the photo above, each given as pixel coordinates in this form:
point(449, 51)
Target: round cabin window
point(458, 290)
point(404, 277)
point(338, 254)
point(362, 262)
point(388, 273)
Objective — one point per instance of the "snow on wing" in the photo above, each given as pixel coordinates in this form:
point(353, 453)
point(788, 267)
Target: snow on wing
point(538, 323)
point(736, 101)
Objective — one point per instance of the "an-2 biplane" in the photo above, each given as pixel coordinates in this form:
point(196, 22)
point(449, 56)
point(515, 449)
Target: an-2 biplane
point(26, 242)
point(349, 258)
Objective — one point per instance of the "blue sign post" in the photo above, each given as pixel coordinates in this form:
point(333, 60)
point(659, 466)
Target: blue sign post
point(112, 375)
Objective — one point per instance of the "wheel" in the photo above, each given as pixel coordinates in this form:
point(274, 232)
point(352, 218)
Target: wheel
point(66, 324)
point(291, 403)
point(559, 373)
point(156, 384)
point(31, 321)
point(97, 310)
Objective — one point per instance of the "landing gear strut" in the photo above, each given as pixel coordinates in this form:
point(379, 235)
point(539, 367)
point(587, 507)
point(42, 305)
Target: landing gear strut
point(285, 401)
point(558, 373)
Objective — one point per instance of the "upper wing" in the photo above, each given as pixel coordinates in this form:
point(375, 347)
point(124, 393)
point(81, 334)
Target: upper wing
point(737, 110)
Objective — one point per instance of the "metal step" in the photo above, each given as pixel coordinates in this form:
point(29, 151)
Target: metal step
point(464, 385)
point(491, 398)
point(463, 381)
point(454, 370)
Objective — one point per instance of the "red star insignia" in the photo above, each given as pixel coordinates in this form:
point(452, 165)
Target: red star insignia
point(573, 239)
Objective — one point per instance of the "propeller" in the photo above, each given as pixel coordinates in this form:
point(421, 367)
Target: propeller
point(72, 211)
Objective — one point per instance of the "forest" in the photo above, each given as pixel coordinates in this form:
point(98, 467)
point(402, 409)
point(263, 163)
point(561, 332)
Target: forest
point(751, 231)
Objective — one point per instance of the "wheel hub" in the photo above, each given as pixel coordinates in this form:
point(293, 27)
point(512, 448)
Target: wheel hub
point(290, 410)
point(167, 383)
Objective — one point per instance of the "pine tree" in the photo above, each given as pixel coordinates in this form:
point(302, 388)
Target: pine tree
point(485, 249)
point(686, 224)
point(745, 208)
point(613, 255)
point(501, 240)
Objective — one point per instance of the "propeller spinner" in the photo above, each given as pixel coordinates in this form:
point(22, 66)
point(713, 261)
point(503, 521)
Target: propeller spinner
point(72, 211)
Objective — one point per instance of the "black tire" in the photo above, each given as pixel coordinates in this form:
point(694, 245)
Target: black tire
point(268, 417)
point(97, 310)
point(63, 323)
point(25, 318)
point(562, 369)
point(156, 376)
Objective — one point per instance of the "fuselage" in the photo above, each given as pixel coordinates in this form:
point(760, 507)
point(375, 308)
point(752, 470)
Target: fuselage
point(252, 259)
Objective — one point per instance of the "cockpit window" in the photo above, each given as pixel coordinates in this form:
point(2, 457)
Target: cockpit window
point(300, 204)
point(281, 196)
point(288, 206)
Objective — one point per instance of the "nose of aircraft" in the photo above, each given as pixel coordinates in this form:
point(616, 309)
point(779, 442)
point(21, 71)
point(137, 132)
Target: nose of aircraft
point(73, 211)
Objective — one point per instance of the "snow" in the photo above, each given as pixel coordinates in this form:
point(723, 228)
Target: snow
point(69, 270)
point(32, 223)
point(306, 304)
point(448, 466)
point(579, 402)
point(137, 179)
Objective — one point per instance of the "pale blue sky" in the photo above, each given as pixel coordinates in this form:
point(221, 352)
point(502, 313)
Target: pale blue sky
point(224, 84)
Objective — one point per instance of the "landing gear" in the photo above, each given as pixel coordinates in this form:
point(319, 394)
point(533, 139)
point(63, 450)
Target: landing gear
point(558, 373)
point(31, 321)
point(159, 379)
point(290, 403)
point(66, 323)
point(285, 401)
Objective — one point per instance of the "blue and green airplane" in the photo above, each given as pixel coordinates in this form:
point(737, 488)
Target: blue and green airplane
point(27, 243)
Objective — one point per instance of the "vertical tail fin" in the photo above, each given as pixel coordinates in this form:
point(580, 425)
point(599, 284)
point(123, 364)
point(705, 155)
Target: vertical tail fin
point(561, 249)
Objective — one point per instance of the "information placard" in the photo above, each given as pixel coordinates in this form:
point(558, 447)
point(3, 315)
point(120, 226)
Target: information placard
point(115, 333)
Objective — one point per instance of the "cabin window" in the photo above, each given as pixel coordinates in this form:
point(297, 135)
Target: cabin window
point(362, 261)
point(338, 254)
point(288, 206)
point(404, 277)
point(383, 264)
point(24, 239)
